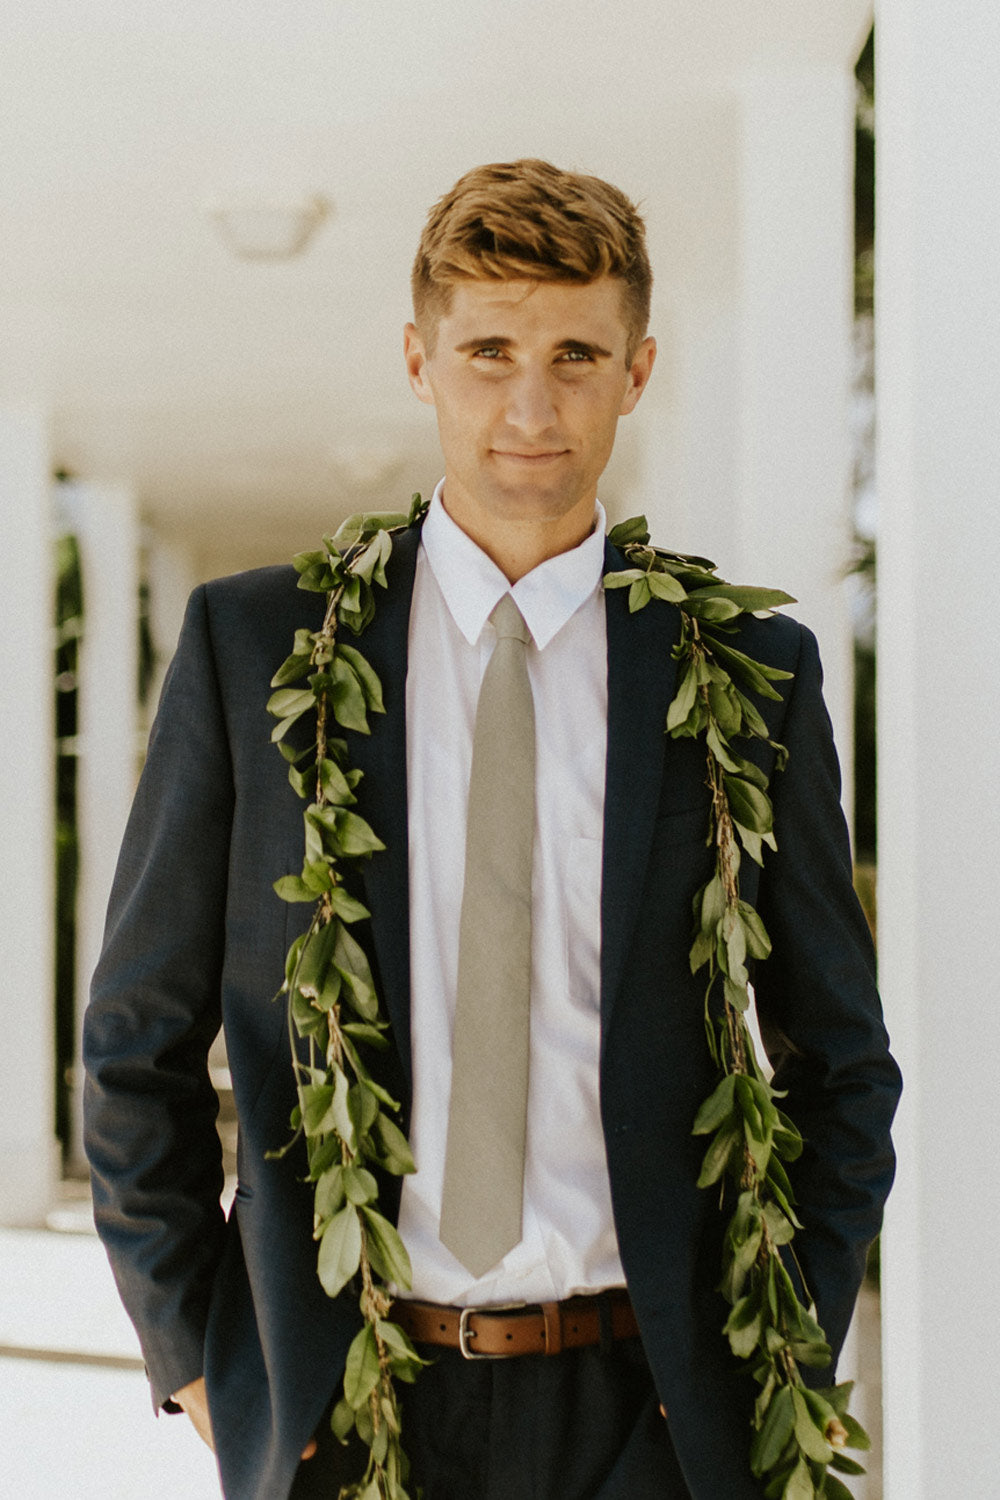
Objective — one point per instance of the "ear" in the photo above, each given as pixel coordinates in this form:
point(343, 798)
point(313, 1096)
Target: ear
point(639, 372)
point(415, 356)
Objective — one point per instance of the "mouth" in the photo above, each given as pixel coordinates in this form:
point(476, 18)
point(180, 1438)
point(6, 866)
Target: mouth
point(528, 458)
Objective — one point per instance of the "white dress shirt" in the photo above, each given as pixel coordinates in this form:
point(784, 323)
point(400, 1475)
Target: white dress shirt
point(568, 1238)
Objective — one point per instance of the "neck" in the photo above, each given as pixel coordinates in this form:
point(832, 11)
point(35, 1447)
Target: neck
point(516, 544)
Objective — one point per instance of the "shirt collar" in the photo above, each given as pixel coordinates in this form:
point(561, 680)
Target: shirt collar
point(472, 584)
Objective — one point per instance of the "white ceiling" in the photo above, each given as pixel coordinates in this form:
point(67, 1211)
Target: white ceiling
point(261, 400)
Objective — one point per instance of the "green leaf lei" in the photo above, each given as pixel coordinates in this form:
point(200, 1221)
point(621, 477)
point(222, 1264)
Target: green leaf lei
point(346, 1115)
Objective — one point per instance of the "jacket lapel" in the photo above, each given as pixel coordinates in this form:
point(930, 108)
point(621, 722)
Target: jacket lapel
point(641, 678)
point(381, 756)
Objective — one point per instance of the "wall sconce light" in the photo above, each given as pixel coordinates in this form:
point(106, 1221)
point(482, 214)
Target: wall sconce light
point(259, 230)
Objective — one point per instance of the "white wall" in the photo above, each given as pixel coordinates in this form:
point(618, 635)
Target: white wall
point(938, 393)
point(28, 1156)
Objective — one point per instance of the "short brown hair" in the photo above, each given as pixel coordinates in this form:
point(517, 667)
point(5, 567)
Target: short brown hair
point(530, 220)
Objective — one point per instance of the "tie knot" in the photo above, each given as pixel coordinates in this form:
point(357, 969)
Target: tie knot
point(508, 621)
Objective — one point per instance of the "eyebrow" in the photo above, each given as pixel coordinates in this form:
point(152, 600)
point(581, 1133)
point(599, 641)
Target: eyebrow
point(500, 341)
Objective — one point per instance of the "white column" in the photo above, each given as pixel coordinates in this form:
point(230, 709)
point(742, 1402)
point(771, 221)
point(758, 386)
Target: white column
point(28, 1150)
point(792, 509)
point(171, 575)
point(104, 517)
point(938, 393)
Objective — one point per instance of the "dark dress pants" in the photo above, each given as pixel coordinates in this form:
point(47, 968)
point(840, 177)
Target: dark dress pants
point(580, 1425)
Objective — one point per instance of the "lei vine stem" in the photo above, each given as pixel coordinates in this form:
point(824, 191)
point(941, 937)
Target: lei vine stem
point(799, 1434)
point(346, 1115)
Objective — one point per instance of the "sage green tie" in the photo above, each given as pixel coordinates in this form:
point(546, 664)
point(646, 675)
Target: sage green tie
point(484, 1159)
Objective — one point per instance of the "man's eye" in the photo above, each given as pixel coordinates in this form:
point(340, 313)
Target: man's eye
point(488, 351)
point(576, 356)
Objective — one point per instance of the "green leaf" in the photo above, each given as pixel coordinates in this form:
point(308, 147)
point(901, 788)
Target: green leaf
point(623, 578)
point(346, 907)
point(316, 1101)
point(725, 706)
point(366, 675)
point(339, 1118)
point(857, 1437)
point(846, 1465)
point(716, 1158)
point(736, 995)
point(359, 1186)
point(713, 904)
point(386, 1250)
point(290, 703)
point(351, 962)
point(302, 783)
point(361, 1031)
point(398, 1342)
point(665, 586)
point(342, 1420)
point(810, 1438)
point(800, 1486)
point(683, 701)
point(361, 1370)
point(749, 805)
point(712, 608)
point(752, 842)
point(716, 1108)
point(291, 669)
point(293, 754)
point(779, 1226)
point(355, 836)
point(838, 1396)
point(361, 1072)
point(393, 1147)
point(753, 723)
point(329, 1195)
point(720, 748)
point(363, 1106)
point(639, 594)
point(380, 1443)
point(736, 947)
point(365, 523)
point(293, 888)
point(749, 599)
point(336, 788)
point(743, 1326)
point(314, 960)
point(778, 1183)
point(280, 730)
point(773, 1438)
point(758, 942)
point(631, 532)
point(742, 668)
point(370, 563)
point(339, 1251)
point(750, 1107)
point(834, 1490)
point(701, 951)
point(347, 696)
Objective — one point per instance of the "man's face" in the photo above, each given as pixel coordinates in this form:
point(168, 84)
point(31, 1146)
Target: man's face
point(528, 380)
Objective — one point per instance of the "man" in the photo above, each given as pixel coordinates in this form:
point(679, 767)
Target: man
point(531, 299)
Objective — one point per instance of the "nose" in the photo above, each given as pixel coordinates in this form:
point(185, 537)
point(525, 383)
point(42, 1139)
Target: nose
point(530, 405)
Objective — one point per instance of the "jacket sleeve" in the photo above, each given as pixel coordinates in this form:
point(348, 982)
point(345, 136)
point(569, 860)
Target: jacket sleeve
point(155, 1008)
point(820, 1013)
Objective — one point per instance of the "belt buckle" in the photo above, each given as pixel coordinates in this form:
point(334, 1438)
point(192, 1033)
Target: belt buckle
point(465, 1334)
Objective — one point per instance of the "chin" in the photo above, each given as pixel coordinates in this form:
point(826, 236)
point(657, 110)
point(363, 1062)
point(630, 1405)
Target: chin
point(534, 501)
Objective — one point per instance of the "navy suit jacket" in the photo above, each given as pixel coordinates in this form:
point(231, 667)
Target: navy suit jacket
point(196, 936)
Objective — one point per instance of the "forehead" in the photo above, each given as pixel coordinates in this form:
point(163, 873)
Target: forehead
point(536, 310)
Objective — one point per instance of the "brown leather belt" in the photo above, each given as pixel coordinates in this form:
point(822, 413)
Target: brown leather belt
point(507, 1330)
